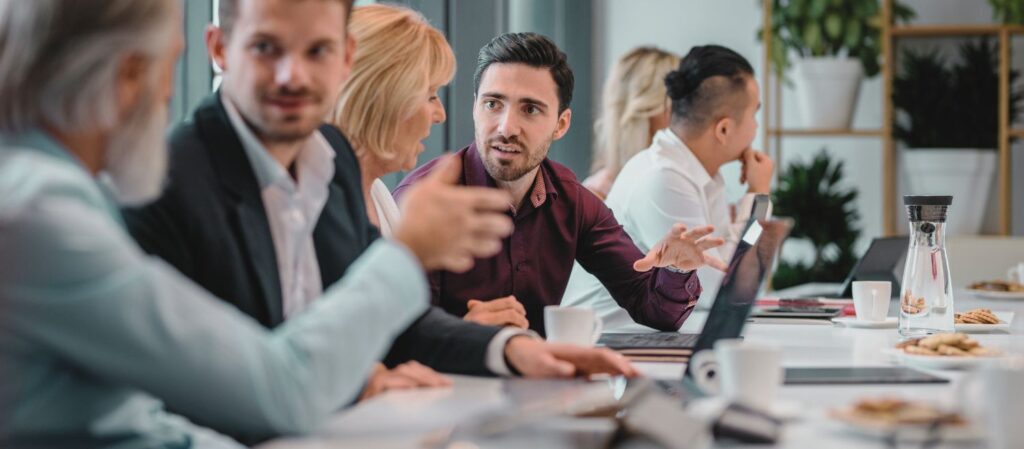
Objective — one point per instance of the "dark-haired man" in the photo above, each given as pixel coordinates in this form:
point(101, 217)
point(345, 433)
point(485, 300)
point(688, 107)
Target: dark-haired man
point(523, 87)
point(714, 102)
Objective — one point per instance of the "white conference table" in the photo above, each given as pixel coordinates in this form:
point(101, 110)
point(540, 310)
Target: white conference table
point(409, 418)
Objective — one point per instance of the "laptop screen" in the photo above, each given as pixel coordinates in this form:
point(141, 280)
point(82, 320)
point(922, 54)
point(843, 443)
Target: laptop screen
point(746, 273)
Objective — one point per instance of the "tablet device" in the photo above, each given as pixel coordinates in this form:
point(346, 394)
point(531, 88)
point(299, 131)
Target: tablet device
point(860, 375)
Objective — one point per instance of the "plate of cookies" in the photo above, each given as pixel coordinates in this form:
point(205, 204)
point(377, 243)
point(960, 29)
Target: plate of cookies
point(998, 289)
point(902, 420)
point(944, 351)
point(982, 320)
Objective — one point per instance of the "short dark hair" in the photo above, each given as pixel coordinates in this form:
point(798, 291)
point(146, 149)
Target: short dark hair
point(227, 12)
point(706, 77)
point(531, 49)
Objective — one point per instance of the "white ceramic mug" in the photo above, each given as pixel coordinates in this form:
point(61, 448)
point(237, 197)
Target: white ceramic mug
point(576, 325)
point(1016, 273)
point(871, 299)
point(747, 373)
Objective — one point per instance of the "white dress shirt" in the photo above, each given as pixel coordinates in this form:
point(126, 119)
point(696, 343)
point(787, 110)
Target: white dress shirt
point(660, 186)
point(95, 335)
point(293, 207)
point(388, 216)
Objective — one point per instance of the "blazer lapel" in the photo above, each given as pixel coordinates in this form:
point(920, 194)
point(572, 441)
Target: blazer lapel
point(250, 217)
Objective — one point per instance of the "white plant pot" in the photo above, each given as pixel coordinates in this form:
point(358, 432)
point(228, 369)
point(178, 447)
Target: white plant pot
point(826, 90)
point(967, 174)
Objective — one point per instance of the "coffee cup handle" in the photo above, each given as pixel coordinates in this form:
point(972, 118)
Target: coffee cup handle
point(598, 328)
point(704, 369)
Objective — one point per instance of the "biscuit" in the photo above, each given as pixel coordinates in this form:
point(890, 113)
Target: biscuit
point(917, 350)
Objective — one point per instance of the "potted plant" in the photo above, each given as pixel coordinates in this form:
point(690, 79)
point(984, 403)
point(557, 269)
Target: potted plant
point(948, 123)
point(837, 43)
point(825, 217)
point(1008, 11)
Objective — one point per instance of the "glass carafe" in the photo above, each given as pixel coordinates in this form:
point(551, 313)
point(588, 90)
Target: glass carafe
point(926, 296)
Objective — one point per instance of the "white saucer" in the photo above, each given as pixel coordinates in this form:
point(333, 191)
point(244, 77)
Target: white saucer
point(852, 321)
point(988, 294)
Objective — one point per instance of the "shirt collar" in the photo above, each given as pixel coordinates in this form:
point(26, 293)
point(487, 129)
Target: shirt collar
point(316, 156)
point(476, 174)
point(668, 145)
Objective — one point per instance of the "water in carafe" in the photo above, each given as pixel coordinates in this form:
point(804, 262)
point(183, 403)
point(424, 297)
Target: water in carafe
point(926, 296)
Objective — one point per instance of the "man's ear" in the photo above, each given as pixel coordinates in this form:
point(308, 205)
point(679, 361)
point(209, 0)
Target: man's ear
point(723, 127)
point(564, 119)
point(216, 40)
point(131, 73)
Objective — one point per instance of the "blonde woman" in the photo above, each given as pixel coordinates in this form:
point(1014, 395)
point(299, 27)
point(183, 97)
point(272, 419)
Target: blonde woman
point(634, 107)
point(390, 101)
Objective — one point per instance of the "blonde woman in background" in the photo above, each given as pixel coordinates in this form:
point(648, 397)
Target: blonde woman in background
point(635, 105)
point(390, 101)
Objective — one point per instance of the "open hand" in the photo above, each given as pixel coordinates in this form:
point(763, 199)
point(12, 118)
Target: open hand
point(684, 250)
point(446, 226)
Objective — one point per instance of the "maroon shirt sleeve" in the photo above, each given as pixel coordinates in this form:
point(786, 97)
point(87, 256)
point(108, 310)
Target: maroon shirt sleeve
point(660, 298)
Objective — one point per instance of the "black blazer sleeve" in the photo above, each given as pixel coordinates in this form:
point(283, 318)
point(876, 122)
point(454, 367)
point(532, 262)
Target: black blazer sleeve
point(445, 343)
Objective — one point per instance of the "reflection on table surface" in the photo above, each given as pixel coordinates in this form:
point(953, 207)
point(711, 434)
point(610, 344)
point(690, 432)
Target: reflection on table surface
point(411, 418)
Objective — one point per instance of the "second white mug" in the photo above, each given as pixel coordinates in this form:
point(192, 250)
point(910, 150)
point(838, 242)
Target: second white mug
point(871, 299)
point(746, 373)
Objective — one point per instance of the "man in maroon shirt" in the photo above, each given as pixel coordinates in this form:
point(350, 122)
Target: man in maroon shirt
point(523, 86)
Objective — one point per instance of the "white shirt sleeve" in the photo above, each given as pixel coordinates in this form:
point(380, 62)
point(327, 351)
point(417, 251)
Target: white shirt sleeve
point(496, 349)
point(78, 288)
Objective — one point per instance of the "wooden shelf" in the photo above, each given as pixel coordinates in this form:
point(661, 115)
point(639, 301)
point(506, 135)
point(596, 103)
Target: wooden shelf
point(954, 30)
point(838, 132)
point(1017, 133)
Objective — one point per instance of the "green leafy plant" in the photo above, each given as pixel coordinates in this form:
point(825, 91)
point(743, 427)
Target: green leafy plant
point(1008, 11)
point(943, 105)
point(829, 28)
point(825, 215)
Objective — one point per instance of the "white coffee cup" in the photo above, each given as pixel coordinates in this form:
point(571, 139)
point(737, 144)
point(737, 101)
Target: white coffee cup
point(871, 300)
point(1016, 273)
point(576, 325)
point(742, 372)
point(1003, 389)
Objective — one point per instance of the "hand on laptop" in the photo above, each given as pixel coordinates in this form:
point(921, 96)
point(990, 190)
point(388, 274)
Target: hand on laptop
point(402, 377)
point(505, 311)
point(447, 226)
point(757, 171)
point(683, 250)
point(537, 358)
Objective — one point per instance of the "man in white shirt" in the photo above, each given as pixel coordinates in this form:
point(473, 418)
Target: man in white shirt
point(714, 101)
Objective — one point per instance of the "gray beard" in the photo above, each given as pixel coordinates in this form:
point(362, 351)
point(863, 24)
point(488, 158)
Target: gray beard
point(136, 164)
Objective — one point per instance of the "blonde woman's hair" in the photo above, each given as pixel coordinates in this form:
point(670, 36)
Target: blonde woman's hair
point(633, 93)
point(398, 55)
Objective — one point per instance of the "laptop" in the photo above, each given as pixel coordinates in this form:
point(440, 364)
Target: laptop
point(744, 278)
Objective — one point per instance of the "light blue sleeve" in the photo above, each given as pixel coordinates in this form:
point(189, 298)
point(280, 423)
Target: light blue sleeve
point(76, 286)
